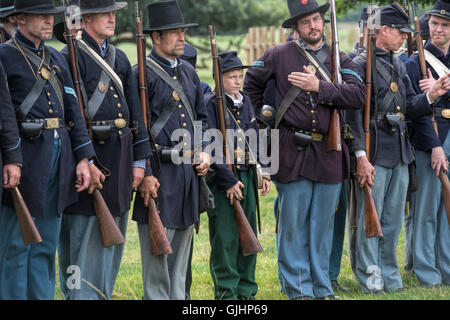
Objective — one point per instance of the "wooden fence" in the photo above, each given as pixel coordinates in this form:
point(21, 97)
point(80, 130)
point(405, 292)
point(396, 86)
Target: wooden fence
point(259, 39)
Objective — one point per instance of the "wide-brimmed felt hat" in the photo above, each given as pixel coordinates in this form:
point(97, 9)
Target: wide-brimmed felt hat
point(37, 7)
point(165, 15)
point(100, 6)
point(6, 8)
point(392, 15)
point(301, 8)
point(441, 9)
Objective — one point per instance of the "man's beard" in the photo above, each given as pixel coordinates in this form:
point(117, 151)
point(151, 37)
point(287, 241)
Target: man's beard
point(310, 40)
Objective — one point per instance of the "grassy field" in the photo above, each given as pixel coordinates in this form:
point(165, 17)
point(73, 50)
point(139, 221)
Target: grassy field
point(129, 285)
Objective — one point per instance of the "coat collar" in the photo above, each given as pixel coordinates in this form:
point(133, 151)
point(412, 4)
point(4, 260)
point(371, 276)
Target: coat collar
point(94, 45)
point(163, 61)
point(437, 52)
point(28, 43)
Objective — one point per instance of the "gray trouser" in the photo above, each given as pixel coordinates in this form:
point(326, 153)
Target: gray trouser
point(87, 270)
point(164, 277)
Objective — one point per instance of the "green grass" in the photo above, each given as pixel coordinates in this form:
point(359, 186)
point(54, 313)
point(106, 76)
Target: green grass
point(129, 282)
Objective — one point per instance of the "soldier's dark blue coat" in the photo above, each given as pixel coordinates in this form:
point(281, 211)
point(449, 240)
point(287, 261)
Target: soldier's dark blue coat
point(37, 154)
point(178, 194)
point(122, 147)
point(393, 146)
point(10, 151)
point(313, 162)
point(245, 114)
point(423, 136)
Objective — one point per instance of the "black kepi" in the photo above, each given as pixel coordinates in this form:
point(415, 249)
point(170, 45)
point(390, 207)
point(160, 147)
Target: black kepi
point(100, 6)
point(37, 7)
point(165, 15)
point(441, 9)
point(301, 8)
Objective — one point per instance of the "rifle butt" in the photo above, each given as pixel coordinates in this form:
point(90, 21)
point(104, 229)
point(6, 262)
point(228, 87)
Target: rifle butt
point(372, 222)
point(109, 231)
point(30, 233)
point(159, 243)
point(334, 142)
point(445, 193)
point(249, 242)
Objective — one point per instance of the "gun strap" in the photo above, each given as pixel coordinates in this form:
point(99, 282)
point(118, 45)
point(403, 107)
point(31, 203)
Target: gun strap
point(163, 117)
point(294, 91)
point(38, 86)
point(436, 64)
point(102, 63)
point(390, 78)
point(99, 94)
point(174, 84)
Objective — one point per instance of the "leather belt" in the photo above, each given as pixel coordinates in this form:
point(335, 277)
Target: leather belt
point(119, 123)
point(441, 112)
point(48, 123)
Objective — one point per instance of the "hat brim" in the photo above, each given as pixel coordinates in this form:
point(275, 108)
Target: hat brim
point(171, 27)
point(289, 22)
point(406, 29)
point(6, 13)
point(58, 32)
point(55, 10)
point(115, 7)
point(235, 68)
point(438, 14)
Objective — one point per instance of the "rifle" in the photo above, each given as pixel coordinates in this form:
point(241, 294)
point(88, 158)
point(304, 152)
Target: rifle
point(334, 129)
point(110, 232)
point(372, 222)
point(159, 242)
point(249, 241)
point(30, 233)
point(445, 184)
point(410, 46)
point(362, 28)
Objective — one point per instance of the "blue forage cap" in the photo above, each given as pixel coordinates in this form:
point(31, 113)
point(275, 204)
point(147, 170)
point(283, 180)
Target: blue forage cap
point(392, 15)
point(441, 9)
point(190, 54)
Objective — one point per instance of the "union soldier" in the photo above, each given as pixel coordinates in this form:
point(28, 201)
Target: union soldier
point(233, 274)
point(121, 143)
point(8, 21)
point(46, 107)
point(174, 184)
point(387, 171)
point(426, 226)
point(10, 151)
point(309, 179)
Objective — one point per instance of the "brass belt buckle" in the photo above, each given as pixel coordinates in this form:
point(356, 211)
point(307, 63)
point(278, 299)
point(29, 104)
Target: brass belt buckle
point(188, 154)
point(445, 113)
point(52, 123)
point(120, 123)
point(316, 136)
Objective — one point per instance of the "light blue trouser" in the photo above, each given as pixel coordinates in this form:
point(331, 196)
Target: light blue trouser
point(164, 277)
point(305, 234)
point(28, 271)
point(427, 229)
point(87, 270)
point(376, 259)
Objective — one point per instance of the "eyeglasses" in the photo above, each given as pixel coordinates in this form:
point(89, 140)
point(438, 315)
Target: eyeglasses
point(315, 20)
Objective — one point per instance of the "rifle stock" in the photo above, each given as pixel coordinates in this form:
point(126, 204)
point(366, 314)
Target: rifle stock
point(334, 142)
point(372, 222)
point(248, 240)
point(30, 233)
point(445, 186)
point(159, 242)
point(110, 232)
